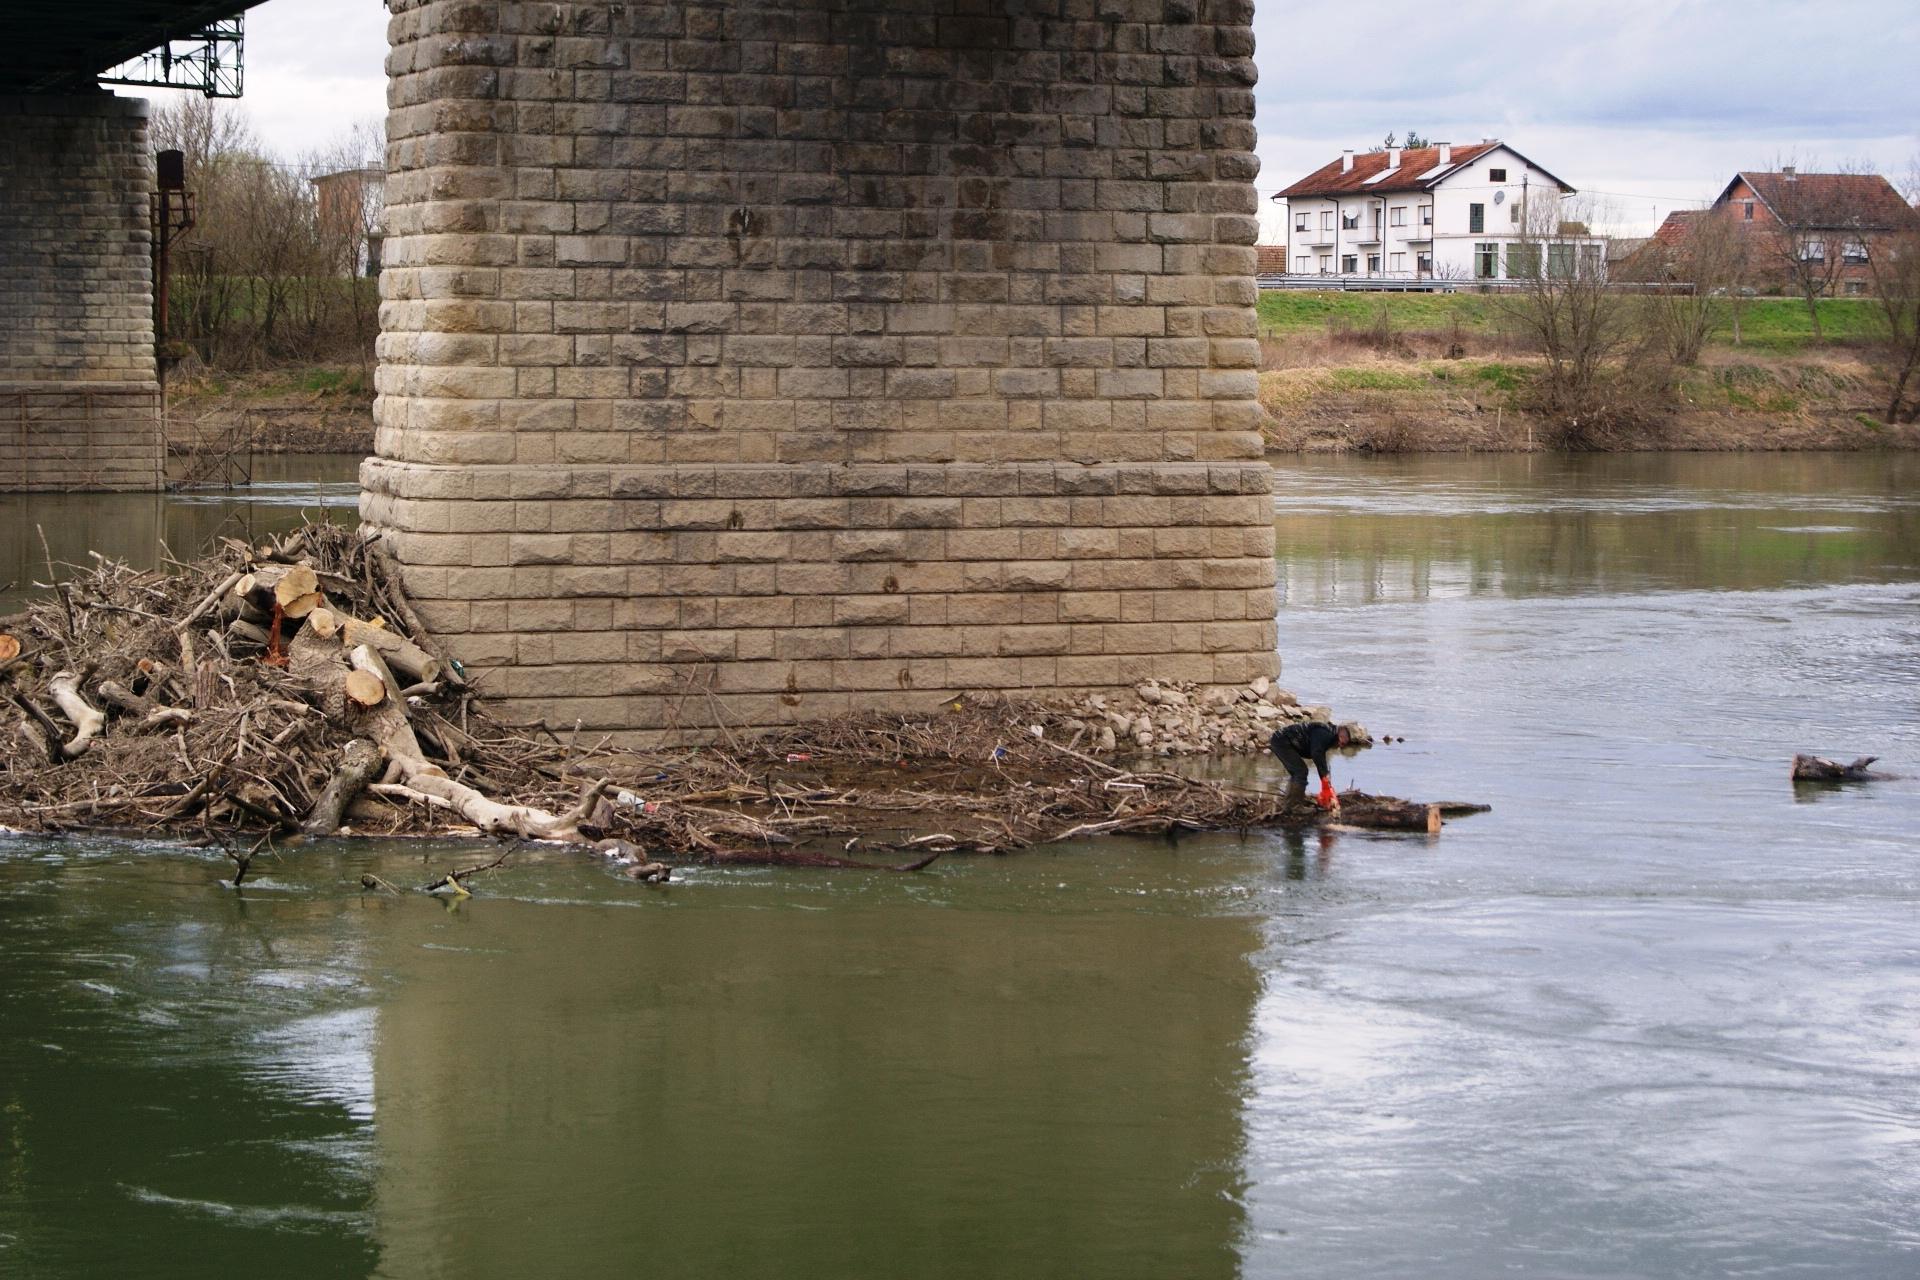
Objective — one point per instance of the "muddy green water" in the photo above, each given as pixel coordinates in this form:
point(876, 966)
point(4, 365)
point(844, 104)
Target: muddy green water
point(1657, 1015)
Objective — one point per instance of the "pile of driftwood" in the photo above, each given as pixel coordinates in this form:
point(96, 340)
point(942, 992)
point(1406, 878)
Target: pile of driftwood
point(278, 692)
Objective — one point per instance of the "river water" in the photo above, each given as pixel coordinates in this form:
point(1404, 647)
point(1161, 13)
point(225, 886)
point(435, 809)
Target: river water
point(1658, 1014)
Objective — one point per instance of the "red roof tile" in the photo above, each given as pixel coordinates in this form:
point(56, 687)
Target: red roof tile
point(1674, 230)
point(1416, 167)
point(1862, 201)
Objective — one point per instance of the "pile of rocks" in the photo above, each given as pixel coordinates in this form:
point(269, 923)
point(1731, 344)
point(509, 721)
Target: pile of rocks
point(1165, 718)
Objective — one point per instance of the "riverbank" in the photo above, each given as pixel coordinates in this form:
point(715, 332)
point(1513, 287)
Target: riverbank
point(1731, 402)
point(302, 409)
point(1451, 373)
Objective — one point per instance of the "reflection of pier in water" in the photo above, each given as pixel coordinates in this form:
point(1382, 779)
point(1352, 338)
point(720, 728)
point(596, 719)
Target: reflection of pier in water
point(921, 1090)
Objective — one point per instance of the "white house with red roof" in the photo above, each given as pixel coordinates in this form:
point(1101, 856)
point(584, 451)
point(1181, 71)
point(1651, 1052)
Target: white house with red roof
point(1478, 212)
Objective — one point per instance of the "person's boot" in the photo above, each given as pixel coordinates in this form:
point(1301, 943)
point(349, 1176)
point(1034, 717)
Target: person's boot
point(1296, 792)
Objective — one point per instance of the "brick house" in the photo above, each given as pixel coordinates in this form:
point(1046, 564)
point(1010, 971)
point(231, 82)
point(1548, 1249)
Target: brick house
point(1816, 227)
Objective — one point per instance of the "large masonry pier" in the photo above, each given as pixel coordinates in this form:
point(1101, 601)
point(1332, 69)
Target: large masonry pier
point(79, 402)
point(757, 361)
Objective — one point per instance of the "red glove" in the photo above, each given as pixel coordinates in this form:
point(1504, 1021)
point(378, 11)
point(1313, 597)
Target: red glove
point(1326, 798)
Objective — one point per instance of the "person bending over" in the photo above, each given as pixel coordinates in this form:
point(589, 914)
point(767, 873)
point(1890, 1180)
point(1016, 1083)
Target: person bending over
point(1300, 742)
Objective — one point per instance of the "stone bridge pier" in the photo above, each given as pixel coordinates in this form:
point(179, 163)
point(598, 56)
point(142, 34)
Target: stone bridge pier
point(79, 392)
point(764, 360)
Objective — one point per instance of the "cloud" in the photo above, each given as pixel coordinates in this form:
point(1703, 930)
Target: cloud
point(1656, 100)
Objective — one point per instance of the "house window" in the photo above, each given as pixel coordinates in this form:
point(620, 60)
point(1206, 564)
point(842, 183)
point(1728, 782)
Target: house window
point(1299, 222)
point(1350, 221)
point(1300, 262)
point(1856, 288)
point(1486, 260)
point(1399, 263)
point(1855, 252)
point(1560, 261)
point(1426, 215)
point(1399, 216)
point(1513, 213)
point(1349, 262)
point(1592, 262)
point(1326, 219)
point(1373, 263)
point(1326, 264)
point(1523, 261)
point(1813, 251)
point(1496, 175)
point(1476, 218)
point(1746, 210)
point(1423, 264)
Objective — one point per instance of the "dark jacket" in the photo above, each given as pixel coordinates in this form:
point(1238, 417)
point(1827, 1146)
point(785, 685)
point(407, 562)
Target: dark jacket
point(1311, 739)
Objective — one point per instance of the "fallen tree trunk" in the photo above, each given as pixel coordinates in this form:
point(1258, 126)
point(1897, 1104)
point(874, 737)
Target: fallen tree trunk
point(1820, 769)
point(491, 816)
point(358, 765)
point(64, 689)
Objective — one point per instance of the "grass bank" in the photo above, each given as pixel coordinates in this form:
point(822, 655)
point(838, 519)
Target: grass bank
point(1766, 324)
point(1400, 373)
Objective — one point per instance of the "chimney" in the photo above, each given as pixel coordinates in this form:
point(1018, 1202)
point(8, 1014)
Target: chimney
point(1346, 161)
point(1393, 157)
point(1446, 153)
point(1786, 171)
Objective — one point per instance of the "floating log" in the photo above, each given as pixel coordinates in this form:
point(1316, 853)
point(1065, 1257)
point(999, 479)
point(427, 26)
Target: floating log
point(359, 762)
point(1820, 769)
point(1460, 808)
point(1382, 813)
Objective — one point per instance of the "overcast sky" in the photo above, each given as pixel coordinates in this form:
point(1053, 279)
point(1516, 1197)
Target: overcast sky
point(1649, 104)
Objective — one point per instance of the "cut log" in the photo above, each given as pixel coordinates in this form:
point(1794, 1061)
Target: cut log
point(1460, 808)
point(1820, 769)
point(9, 648)
point(248, 632)
point(301, 606)
point(323, 622)
point(299, 580)
point(359, 762)
point(364, 689)
point(64, 689)
point(261, 587)
point(402, 654)
point(1379, 813)
point(390, 728)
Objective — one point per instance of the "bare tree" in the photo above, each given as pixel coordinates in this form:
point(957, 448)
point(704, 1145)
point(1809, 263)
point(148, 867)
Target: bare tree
point(1894, 264)
point(1696, 283)
point(262, 278)
point(1560, 300)
point(1806, 244)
